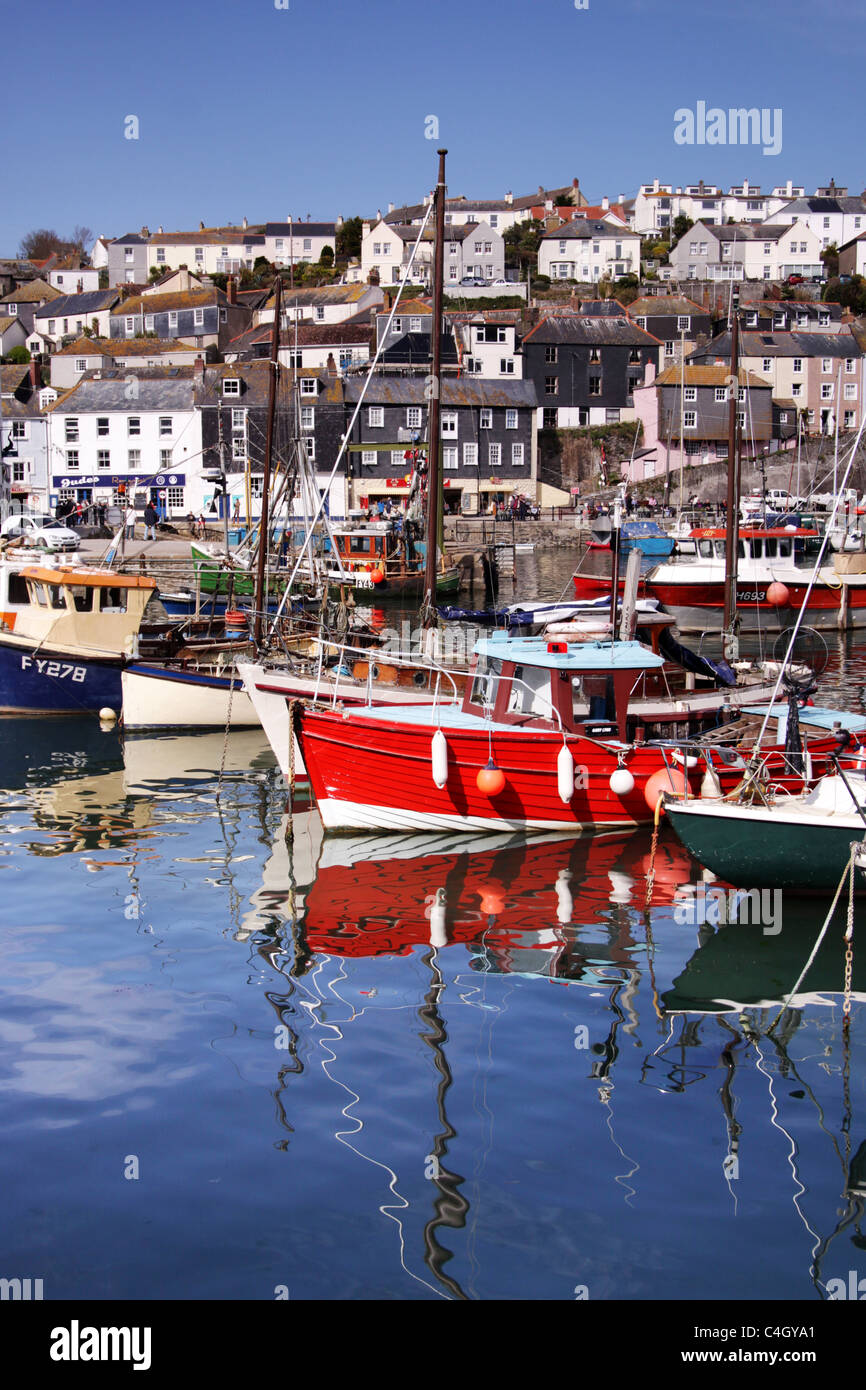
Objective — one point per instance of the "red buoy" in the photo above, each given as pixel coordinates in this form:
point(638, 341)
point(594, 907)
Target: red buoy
point(377, 575)
point(490, 779)
point(665, 780)
point(778, 594)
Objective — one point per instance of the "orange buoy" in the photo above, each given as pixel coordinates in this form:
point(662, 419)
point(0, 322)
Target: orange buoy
point(778, 594)
point(377, 575)
point(490, 779)
point(492, 902)
point(667, 779)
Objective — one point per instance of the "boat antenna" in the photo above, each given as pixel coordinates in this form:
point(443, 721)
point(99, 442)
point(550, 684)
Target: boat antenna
point(434, 475)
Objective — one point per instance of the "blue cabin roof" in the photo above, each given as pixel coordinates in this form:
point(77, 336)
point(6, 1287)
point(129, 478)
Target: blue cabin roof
point(579, 656)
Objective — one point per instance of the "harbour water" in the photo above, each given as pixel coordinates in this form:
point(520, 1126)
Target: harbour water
point(243, 1065)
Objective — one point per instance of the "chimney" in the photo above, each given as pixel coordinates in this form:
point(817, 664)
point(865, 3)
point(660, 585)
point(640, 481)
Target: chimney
point(540, 191)
point(201, 226)
point(365, 229)
point(548, 204)
point(245, 224)
point(605, 204)
point(159, 231)
point(35, 375)
point(231, 290)
point(330, 365)
point(339, 221)
point(198, 370)
point(145, 232)
point(509, 197)
point(390, 207)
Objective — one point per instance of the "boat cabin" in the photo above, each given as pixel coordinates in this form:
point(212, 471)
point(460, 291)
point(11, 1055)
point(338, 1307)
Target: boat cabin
point(540, 682)
point(754, 542)
point(95, 610)
point(379, 546)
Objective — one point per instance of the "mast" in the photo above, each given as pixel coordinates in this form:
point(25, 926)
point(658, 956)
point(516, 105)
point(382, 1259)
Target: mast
point(733, 494)
point(264, 523)
point(434, 476)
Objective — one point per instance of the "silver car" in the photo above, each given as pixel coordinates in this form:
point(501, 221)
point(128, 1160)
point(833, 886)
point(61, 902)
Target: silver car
point(39, 531)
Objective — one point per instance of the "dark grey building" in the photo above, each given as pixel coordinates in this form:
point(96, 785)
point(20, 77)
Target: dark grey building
point(585, 369)
point(671, 318)
point(201, 317)
point(127, 259)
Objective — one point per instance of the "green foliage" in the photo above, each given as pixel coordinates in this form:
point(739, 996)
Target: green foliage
point(156, 272)
point(18, 356)
point(327, 257)
point(348, 238)
point(103, 278)
point(220, 281)
point(500, 301)
point(830, 257)
point(851, 295)
point(521, 245)
point(540, 282)
point(606, 434)
point(682, 224)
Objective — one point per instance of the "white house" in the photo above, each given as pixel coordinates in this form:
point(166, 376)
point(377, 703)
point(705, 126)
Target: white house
point(852, 256)
point(74, 281)
point(487, 343)
point(23, 439)
point(658, 205)
point(99, 253)
point(209, 251)
point(324, 304)
point(472, 250)
point(747, 251)
point(830, 214)
point(586, 251)
point(294, 241)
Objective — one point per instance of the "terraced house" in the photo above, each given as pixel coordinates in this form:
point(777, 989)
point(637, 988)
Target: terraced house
point(684, 413)
point(586, 251)
point(586, 369)
point(200, 317)
point(488, 447)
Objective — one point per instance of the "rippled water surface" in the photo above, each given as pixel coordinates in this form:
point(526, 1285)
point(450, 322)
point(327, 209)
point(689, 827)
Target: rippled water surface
point(398, 1067)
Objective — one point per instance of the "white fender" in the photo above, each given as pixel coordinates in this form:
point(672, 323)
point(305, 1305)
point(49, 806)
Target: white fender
point(438, 931)
point(686, 760)
point(621, 782)
point(439, 759)
point(711, 786)
point(564, 898)
point(565, 774)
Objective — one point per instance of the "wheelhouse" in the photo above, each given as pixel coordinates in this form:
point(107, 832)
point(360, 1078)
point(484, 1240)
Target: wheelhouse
point(754, 543)
point(581, 688)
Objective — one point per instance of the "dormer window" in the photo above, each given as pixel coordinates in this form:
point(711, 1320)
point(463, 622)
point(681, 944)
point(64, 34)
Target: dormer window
point(231, 386)
point(309, 386)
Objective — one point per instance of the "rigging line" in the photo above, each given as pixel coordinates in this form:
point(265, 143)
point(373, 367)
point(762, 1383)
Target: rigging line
point(792, 1153)
point(344, 444)
point(848, 870)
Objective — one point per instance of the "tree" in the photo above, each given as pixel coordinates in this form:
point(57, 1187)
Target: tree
point(851, 294)
point(38, 245)
point(327, 257)
point(682, 224)
point(830, 257)
point(521, 245)
point(348, 238)
point(18, 356)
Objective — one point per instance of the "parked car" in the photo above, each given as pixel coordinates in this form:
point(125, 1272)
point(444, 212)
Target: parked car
point(795, 280)
point(39, 530)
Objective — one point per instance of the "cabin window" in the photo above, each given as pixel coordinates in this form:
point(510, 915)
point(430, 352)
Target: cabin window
point(485, 681)
point(17, 589)
point(530, 692)
point(39, 594)
point(113, 600)
point(82, 598)
point(770, 547)
point(594, 697)
point(720, 549)
point(56, 596)
point(784, 550)
point(705, 550)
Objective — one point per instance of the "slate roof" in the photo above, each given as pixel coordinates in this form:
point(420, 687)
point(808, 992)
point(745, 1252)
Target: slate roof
point(308, 335)
point(800, 207)
point(414, 348)
point(665, 305)
point(210, 236)
point(68, 305)
point(159, 388)
point(321, 294)
point(471, 391)
point(694, 375)
point(454, 231)
point(6, 321)
point(462, 204)
point(784, 343)
point(296, 229)
point(31, 292)
point(603, 309)
point(177, 299)
point(585, 230)
point(123, 347)
point(11, 378)
point(578, 329)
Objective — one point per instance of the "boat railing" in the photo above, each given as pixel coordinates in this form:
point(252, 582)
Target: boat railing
point(492, 679)
point(340, 653)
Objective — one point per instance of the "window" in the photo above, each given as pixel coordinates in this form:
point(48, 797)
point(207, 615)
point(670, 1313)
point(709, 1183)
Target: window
point(690, 393)
point(102, 424)
point(133, 424)
point(517, 456)
point(752, 319)
point(231, 386)
point(172, 321)
point(72, 458)
point(224, 314)
point(376, 417)
point(19, 429)
point(414, 415)
point(164, 459)
point(721, 394)
point(470, 455)
point(256, 486)
point(52, 325)
point(562, 248)
point(548, 419)
point(448, 423)
point(199, 254)
point(826, 366)
point(506, 366)
point(71, 430)
point(165, 424)
point(494, 456)
point(239, 420)
point(320, 313)
point(174, 497)
point(783, 417)
point(198, 317)
point(595, 383)
point(128, 252)
point(133, 459)
point(309, 384)
point(103, 458)
point(308, 243)
point(377, 248)
point(550, 385)
point(308, 417)
point(690, 419)
point(823, 319)
point(397, 325)
point(797, 366)
point(415, 324)
point(850, 393)
point(683, 322)
point(850, 419)
point(81, 364)
point(368, 458)
point(826, 391)
point(494, 220)
point(398, 459)
point(449, 457)
point(849, 364)
point(670, 348)
point(511, 419)
point(485, 418)
point(797, 389)
point(766, 364)
point(239, 448)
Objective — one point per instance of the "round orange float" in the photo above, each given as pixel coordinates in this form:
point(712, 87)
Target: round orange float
point(665, 780)
point(490, 779)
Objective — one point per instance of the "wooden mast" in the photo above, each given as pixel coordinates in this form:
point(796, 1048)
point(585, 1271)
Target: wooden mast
point(434, 476)
point(264, 524)
point(733, 493)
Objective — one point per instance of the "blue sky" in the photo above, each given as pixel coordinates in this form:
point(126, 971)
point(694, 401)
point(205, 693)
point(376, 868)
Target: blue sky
point(247, 110)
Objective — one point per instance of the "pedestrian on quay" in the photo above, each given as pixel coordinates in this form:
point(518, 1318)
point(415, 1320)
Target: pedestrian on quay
point(150, 520)
point(129, 521)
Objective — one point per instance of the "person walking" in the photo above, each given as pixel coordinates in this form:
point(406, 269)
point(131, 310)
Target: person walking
point(150, 520)
point(129, 521)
